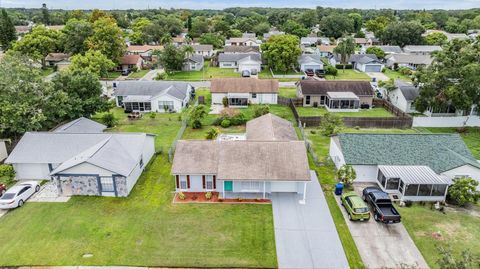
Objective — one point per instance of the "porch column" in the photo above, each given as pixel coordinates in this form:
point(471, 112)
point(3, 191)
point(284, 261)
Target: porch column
point(303, 201)
point(264, 190)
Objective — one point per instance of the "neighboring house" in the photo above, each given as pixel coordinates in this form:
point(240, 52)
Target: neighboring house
point(413, 167)
point(81, 125)
point(194, 62)
point(157, 96)
point(243, 41)
point(145, 51)
point(360, 41)
point(421, 49)
point(411, 61)
point(241, 49)
point(22, 29)
point(61, 60)
point(241, 92)
point(266, 36)
point(130, 62)
point(249, 35)
point(336, 96)
point(205, 50)
point(361, 62)
point(241, 61)
point(326, 50)
point(404, 96)
point(83, 163)
point(270, 160)
point(309, 41)
point(179, 40)
point(391, 49)
point(310, 62)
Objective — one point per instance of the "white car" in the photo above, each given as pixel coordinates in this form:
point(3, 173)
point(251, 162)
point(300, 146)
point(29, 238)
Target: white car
point(18, 194)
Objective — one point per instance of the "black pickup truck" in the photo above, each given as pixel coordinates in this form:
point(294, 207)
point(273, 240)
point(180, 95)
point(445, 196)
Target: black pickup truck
point(383, 209)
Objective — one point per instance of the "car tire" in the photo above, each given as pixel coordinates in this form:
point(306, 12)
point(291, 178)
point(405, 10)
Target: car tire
point(350, 217)
point(375, 216)
point(37, 188)
point(20, 203)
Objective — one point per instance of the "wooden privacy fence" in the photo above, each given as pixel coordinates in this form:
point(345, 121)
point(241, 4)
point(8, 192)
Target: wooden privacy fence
point(286, 101)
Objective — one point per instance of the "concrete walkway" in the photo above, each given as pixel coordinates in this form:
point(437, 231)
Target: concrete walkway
point(378, 75)
point(305, 235)
point(48, 193)
point(151, 75)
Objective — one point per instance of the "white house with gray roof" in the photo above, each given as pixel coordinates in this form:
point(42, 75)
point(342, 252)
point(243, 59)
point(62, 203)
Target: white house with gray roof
point(310, 62)
point(83, 163)
point(240, 61)
point(415, 167)
point(404, 96)
point(152, 96)
point(421, 49)
point(193, 63)
point(81, 125)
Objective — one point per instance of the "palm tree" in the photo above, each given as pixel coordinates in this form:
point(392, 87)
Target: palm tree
point(165, 39)
point(188, 50)
point(345, 48)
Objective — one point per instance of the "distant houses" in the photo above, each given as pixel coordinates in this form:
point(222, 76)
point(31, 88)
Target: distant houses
point(241, 61)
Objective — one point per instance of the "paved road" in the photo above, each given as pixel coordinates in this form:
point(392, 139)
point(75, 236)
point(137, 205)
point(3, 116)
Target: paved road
point(383, 246)
point(305, 235)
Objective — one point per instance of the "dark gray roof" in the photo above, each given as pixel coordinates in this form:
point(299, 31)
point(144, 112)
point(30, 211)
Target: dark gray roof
point(225, 57)
point(440, 152)
point(409, 91)
point(307, 58)
point(421, 48)
point(81, 125)
point(358, 58)
point(321, 87)
point(391, 49)
point(178, 90)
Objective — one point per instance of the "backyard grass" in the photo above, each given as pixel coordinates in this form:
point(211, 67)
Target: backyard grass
point(145, 229)
point(457, 229)
point(112, 75)
point(348, 74)
point(396, 75)
point(138, 74)
point(207, 73)
point(320, 111)
point(288, 92)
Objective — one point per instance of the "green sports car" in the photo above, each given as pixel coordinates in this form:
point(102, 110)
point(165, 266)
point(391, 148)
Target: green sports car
point(355, 206)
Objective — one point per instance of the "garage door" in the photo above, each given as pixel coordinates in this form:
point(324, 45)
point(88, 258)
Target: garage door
point(248, 67)
point(283, 187)
point(373, 68)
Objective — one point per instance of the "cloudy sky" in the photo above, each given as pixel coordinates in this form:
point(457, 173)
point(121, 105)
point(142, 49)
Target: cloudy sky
point(220, 4)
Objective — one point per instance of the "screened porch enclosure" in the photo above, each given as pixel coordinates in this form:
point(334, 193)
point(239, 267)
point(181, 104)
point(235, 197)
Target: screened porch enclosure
point(238, 99)
point(413, 183)
point(137, 103)
point(346, 101)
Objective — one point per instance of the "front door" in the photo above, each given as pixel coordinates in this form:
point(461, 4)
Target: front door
point(228, 186)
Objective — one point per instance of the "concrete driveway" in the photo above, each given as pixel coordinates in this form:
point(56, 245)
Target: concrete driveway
point(305, 235)
point(381, 245)
point(379, 75)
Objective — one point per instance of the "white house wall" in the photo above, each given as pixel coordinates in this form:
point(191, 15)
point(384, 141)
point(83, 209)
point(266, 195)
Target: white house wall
point(217, 98)
point(31, 171)
point(228, 64)
point(366, 173)
point(262, 98)
point(466, 170)
point(398, 100)
point(177, 104)
point(336, 154)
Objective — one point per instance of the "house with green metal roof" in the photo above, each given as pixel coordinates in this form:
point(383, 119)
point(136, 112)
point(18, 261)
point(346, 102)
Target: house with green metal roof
point(416, 167)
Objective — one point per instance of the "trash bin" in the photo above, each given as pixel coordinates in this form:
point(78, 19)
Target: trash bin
point(339, 188)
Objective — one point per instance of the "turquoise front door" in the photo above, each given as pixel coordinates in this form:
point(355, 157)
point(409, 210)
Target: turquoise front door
point(228, 186)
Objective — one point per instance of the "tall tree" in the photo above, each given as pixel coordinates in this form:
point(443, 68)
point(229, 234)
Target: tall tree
point(172, 58)
point(107, 38)
point(45, 14)
point(93, 61)
point(140, 35)
point(294, 28)
point(345, 48)
point(403, 33)
point(213, 39)
point(7, 31)
point(357, 21)
point(281, 52)
point(436, 39)
point(76, 34)
point(39, 43)
point(336, 25)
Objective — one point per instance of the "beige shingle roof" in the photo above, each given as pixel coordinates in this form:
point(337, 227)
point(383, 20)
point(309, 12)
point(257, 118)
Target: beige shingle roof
point(244, 85)
point(270, 127)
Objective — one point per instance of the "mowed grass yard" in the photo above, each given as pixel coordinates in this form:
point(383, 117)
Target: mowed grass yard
point(207, 73)
point(348, 74)
point(320, 111)
point(145, 229)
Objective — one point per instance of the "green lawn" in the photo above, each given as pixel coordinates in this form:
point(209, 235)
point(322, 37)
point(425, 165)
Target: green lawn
point(348, 74)
point(266, 74)
point(145, 229)
point(320, 111)
point(396, 75)
point(207, 73)
point(138, 74)
point(459, 230)
point(288, 92)
point(112, 75)
point(47, 71)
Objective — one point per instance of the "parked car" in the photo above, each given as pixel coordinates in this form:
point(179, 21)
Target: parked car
point(355, 206)
point(254, 72)
point(364, 106)
point(245, 73)
point(382, 206)
point(3, 189)
point(320, 73)
point(18, 194)
point(125, 72)
point(309, 72)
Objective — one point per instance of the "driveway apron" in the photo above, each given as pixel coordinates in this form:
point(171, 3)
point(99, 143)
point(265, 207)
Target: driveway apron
point(305, 234)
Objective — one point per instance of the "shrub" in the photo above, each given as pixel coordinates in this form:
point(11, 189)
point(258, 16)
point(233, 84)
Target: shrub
point(109, 119)
point(196, 124)
point(331, 70)
point(225, 123)
point(152, 115)
point(196, 115)
point(7, 174)
point(161, 76)
point(181, 196)
point(405, 71)
point(208, 195)
point(463, 191)
point(346, 174)
point(233, 115)
point(225, 101)
point(212, 133)
point(408, 203)
point(229, 112)
point(261, 110)
point(340, 66)
point(331, 124)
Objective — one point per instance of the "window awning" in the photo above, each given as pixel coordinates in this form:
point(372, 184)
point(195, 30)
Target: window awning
point(342, 95)
point(137, 98)
point(413, 174)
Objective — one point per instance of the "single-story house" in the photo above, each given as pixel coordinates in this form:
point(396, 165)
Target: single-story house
point(129, 62)
point(266, 162)
point(145, 51)
point(22, 29)
point(243, 41)
point(421, 49)
point(310, 62)
point(404, 96)
point(360, 41)
point(205, 50)
point(326, 50)
point(156, 96)
point(57, 59)
point(81, 125)
point(271, 33)
point(249, 35)
point(391, 49)
point(368, 63)
point(309, 41)
point(179, 40)
point(241, 61)
point(415, 167)
point(244, 91)
point(336, 96)
point(412, 61)
point(241, 49)
point(194, 62)
point(99, 164)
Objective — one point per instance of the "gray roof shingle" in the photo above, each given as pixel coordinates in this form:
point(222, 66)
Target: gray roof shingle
point(81, 125)
point(270, 127)
point(316, 87)
point(234, 57)
point(178, 90)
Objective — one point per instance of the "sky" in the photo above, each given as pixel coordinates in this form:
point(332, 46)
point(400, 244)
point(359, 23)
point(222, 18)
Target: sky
point(221, 4)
